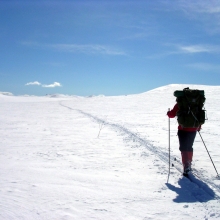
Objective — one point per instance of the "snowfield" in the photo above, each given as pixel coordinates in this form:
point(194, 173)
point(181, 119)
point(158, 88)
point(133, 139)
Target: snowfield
point(81, 158)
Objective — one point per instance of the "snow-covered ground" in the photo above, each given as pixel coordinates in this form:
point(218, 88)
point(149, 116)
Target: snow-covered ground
point(104, 158)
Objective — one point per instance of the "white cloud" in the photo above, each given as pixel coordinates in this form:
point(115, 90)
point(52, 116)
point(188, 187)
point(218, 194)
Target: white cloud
point(79, 48)
point(199, 49)
point(186, 49)
point(205, 12)
point(55, 84)
point(205, 66)
point(198, 6)
point(33, 83)
point(88, 49)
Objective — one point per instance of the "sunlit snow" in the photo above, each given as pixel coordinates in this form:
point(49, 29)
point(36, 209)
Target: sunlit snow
point(81, 158)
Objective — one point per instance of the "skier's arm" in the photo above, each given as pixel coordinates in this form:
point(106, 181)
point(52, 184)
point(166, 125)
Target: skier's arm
point(172, 113)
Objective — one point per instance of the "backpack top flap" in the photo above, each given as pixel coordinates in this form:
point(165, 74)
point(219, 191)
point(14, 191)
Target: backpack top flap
point(179, 93)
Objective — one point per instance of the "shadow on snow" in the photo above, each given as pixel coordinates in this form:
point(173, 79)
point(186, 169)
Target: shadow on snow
point(191, 192)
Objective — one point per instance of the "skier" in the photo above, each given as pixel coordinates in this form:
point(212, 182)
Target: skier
point(186, 139)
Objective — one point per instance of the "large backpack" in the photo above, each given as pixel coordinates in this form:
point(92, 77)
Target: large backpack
point(191, 113)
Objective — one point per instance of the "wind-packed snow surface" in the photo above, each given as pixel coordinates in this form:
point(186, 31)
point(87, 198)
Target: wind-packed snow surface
point(104, 158)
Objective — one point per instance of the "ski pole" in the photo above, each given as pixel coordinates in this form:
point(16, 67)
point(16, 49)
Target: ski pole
point(168, 146)
point(209, 154)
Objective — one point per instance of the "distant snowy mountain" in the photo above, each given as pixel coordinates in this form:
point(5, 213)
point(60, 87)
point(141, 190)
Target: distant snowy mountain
point(6, 93)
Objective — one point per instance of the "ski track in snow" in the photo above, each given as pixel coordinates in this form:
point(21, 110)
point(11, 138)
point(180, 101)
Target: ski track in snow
point(201, 183)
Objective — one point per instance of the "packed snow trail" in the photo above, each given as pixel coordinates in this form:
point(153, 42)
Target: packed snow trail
point(207, 186)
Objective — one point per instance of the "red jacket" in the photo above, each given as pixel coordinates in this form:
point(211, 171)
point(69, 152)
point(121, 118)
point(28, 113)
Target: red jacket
point(172, 114)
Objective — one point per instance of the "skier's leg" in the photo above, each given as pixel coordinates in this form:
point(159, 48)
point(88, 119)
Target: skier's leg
point(190, 140)
point(183, 147)
point(185, 160)
point(186, 140)
point(190, 156)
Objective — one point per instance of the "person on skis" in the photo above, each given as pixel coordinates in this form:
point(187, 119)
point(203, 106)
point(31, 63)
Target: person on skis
point(186, 139)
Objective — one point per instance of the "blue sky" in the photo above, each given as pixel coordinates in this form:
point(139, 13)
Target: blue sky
point(109, 47)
